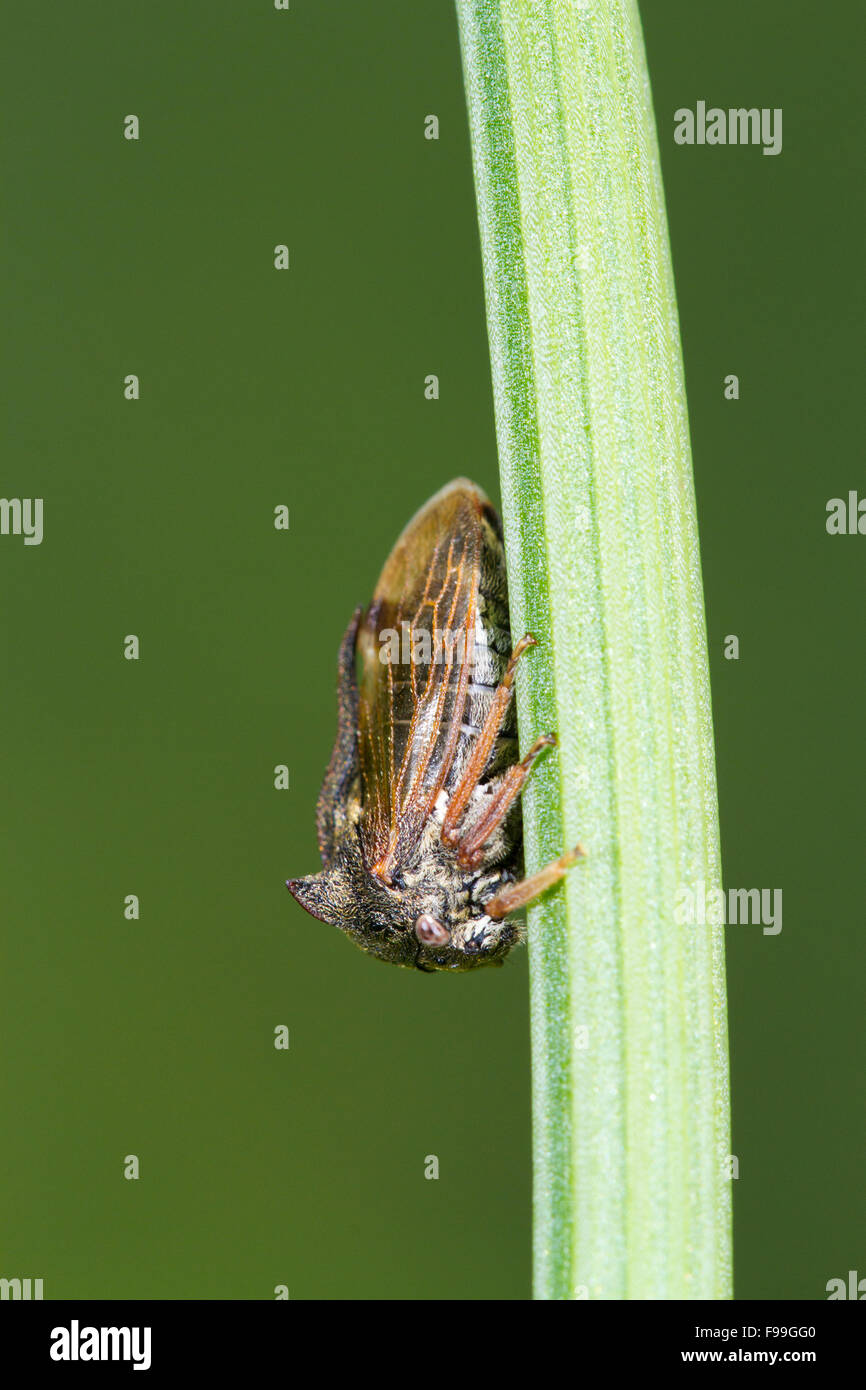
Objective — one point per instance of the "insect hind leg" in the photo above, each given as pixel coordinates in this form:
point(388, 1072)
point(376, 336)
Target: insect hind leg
point(474, 769)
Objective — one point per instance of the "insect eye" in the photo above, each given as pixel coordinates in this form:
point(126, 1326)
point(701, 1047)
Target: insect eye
point(430, 932)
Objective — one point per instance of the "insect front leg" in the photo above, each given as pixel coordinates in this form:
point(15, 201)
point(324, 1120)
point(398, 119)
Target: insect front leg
point(517, 895)
point(474, 769)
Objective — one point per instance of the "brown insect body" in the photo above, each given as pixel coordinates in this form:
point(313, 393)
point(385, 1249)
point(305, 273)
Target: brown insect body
point(418, 818)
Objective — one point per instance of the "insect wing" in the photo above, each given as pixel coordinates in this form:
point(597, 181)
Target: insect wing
point(415, 646)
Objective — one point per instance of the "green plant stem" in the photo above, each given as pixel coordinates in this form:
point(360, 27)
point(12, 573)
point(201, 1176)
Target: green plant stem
point(630, 1072)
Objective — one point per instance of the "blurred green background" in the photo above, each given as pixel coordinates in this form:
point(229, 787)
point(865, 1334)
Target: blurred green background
point(155, 1037)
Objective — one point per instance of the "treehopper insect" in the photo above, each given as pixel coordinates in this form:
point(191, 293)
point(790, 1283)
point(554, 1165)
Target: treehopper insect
point(418, 819)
